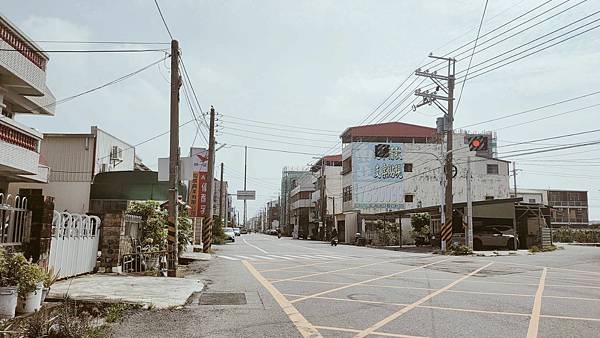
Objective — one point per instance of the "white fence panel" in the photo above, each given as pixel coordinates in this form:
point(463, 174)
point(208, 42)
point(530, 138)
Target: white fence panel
point(74, 244)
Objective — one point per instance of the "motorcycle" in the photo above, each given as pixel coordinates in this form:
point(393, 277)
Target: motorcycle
point(334, 241)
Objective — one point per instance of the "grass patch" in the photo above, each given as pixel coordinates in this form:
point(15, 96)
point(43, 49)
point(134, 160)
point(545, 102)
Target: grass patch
point(116, 312)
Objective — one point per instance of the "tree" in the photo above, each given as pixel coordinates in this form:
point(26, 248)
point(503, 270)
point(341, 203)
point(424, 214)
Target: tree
point(420, 224)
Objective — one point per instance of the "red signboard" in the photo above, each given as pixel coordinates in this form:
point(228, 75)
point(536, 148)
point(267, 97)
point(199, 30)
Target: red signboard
point(199, 184)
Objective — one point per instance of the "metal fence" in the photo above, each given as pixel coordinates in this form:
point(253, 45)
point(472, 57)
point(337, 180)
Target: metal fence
point(13, 218)
point(74, 245)
point(151, 261)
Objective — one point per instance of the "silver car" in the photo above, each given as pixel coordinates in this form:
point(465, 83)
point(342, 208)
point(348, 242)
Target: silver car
point(229, 234)
point(493, 238)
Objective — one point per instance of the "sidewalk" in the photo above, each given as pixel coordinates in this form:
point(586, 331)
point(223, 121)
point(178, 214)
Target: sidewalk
point(158, 292)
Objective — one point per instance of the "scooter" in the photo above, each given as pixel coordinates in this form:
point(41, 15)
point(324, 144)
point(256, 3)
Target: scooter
point(278, 235)
point(334, 241)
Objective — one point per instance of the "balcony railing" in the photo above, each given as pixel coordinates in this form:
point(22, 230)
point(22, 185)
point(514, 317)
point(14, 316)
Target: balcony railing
point(13, 136)
point(22, 47)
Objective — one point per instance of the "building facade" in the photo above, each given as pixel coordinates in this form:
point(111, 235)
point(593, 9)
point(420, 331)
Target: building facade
point(328, 193)
point(303, 209)
point(23, 90)
point(74, 161)
point(396, 166)
point(289, 179)
point(569, 207)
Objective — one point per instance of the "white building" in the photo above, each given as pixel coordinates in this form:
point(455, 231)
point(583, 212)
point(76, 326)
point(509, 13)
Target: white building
point(328, 194)
point(23, 90)
point(74, 160)
point(569, 207)
point(397, 166)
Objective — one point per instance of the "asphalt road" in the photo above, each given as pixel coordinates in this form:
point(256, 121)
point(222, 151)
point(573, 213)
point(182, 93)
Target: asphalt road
point(297, 288)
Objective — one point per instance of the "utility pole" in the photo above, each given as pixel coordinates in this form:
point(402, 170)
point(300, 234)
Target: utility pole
point(208, 217)
point(515, 177)
point(221, 185)
point(323, 200)
point(430, 97)
point(245, 170)
point(469, 234)
point(173, 164)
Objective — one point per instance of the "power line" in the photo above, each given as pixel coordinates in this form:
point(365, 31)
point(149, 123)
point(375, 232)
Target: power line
point(472, 54)
point(532, 109)
point(276, 135)
point(555, 137)
point(275, 150)
point(102, 42)
point(87, 51)
point(280, 129)
point(548, 117)
point(163, 19)
point(278, 124)
point(274, 141)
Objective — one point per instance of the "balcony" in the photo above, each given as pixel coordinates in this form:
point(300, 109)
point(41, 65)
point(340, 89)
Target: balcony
point(19, 149)
point(22, 65)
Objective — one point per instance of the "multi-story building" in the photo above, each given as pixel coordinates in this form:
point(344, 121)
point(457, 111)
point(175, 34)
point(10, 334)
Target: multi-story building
point(328, 194)
point(303, 209)
point(74, 161)
point(289, 179)
point(273, 214)
point(23, 90)
point(217, 197)
point(397, 166)
point(569, 207)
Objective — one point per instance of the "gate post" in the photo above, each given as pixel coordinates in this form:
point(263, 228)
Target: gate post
point(38, 234)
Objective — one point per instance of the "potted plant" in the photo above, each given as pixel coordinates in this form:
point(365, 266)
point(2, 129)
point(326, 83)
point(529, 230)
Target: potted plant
point(10, 266)
point(31, 283)
point(50, 278)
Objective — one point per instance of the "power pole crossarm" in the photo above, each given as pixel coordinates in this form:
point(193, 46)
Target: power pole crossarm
point(172, 219)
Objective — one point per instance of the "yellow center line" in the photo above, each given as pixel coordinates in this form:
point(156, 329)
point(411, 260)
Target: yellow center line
point(367, 281)
point(305, 328)
point(534, 322)
point(386, 334)
point(404, 310)
point(343, 269)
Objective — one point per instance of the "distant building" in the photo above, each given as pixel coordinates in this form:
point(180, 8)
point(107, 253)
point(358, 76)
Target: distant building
point(569, 207)
point(303, 210)
point(328, 193)
point(396, 166)
point(74, 161)
point(289, 179)
point(23, 90)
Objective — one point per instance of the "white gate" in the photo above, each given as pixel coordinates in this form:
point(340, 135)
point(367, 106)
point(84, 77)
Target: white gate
point(74, 244)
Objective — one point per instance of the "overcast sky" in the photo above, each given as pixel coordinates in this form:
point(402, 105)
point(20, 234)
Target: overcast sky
point(316, 64)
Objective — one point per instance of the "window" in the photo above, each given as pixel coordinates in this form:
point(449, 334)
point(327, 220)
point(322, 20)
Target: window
point(532, 200)
point(347, 194)
point(489, 197)
point(492, 169)
point(408, 198)
point(408, 167)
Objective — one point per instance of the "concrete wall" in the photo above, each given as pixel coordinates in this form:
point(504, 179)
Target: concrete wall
point(71, 196)
point(104, 144)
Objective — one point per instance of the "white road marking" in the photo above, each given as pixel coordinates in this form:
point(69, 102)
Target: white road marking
point(286, 258)
point(254, 246)
point(227, 257)
point(245, 257)
point(264, 257)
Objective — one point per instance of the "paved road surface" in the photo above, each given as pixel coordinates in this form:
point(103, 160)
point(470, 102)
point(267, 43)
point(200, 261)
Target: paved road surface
point(303, 288)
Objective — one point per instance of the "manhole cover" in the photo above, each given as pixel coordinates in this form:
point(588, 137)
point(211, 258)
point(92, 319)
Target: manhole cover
point(222, 298)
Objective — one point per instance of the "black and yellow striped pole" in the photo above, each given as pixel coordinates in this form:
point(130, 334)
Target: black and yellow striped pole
point(208, 215)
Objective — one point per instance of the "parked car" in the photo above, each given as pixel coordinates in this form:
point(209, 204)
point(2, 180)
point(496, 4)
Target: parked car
point(243, 231)
point(272, 232)
point(493, 237)
point(229, 234)
point(236, 231)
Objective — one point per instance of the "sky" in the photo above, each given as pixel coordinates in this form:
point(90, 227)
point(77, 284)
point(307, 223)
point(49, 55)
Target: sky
point(316, 68)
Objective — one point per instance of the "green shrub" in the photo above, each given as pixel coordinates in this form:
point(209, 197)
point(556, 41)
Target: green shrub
point(30, 275)
point(568, 235)
point(116, 312)
point(10, 268)
point(459, 250)
point(534, 249)
point(420, 224)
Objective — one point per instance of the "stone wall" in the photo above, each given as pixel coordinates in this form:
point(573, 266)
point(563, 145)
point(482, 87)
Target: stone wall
point(119, 231)
point(38, 233)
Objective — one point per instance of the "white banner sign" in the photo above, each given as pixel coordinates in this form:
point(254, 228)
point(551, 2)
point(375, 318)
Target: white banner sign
point(246, 195)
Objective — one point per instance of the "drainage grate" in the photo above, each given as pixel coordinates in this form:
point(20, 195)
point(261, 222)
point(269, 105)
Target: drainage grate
point(222, 298)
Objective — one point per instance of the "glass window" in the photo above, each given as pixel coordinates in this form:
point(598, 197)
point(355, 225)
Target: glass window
point(408, 167)
point(492, 169)
point(408, 198)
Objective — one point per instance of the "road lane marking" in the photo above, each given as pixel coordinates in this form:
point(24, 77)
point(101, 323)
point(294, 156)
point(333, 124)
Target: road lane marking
point(367, 281)
point(227, 257)
point(246, 257)
point(294, 266)
point(404, 310)
point(343, 329)
point(305, 328)
point(343, 269)
point(254, 246)
point(571, 318)
point(534, 322)
point(573, 298)
point(264, 257)
point(286, 258)
point(420, 306)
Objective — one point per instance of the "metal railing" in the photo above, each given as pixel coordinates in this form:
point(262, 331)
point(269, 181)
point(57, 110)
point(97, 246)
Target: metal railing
point(142, 262)
point(13, 218)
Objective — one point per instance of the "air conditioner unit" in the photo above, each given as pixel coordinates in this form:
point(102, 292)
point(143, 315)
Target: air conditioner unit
point(116, 154)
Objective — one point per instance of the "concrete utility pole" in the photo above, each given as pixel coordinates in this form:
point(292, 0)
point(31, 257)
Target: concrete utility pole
point(245, 170)
point(173, 163)
point(323, 199)
point(221, 185)
point(515, 177)
point(208, 217)
point(432, 97)
point(469, 234)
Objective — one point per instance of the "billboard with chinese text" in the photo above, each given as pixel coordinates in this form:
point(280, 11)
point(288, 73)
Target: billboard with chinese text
point(377, 174)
